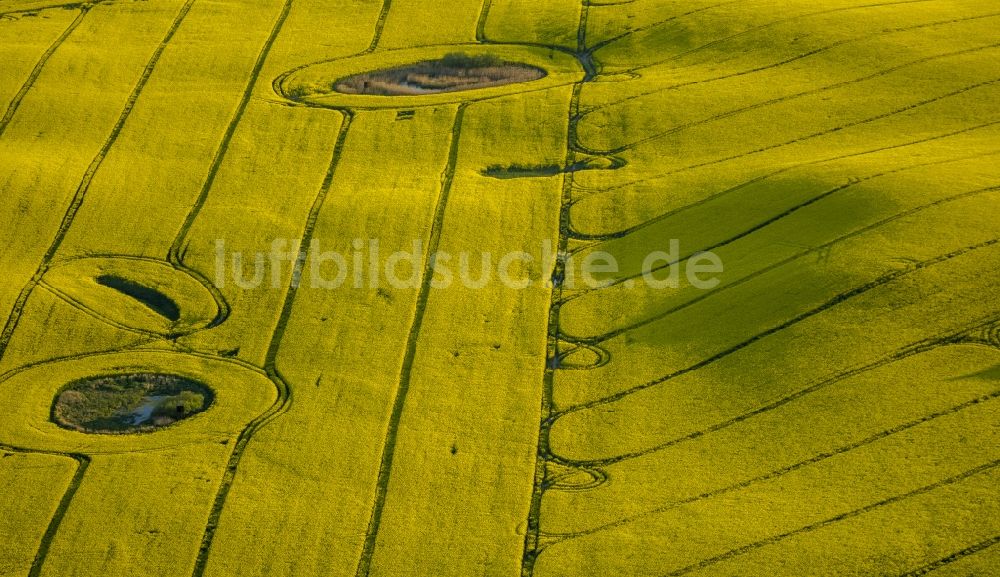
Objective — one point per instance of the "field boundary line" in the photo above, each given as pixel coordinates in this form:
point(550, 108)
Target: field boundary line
point(768, 221)
point(84, 186)
point(383, 17)
point(812, 92)
point(797, 57)
point(83, 462)
point(483, 21)
point(533, 536)
point(924, 345)
point(598, 339)
point(984, 468)
point(405, 373)
point(829, 304)
point(175, 255)
point(284, 398)
point(956, 556)
point(15, 103)
point(818, 458)
point(599, 237)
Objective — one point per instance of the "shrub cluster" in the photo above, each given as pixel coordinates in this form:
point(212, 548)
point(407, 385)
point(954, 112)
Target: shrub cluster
point(106, 404)
point(185, 403)
point(468, 61)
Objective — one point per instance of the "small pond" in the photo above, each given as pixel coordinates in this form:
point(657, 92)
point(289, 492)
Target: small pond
point(129, 403)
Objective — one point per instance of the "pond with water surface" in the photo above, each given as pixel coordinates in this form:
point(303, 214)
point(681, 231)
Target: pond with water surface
point(129, 403)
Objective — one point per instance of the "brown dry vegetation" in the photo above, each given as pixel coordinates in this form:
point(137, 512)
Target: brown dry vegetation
point(452, 73)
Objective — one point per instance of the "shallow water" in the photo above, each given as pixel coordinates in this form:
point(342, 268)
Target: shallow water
point(144, 412)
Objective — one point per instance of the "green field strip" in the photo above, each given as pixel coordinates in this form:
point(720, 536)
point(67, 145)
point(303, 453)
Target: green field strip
point(892, 303)
point(686, 430)
point(927, 458)
point(413, 23)
point(585, 327)
point(146, 528)
point(476, 435)
point(721, 222)
point(29, 161)
point(909, 70)
point(161, 159)
point(690, 193)
point(814, 364)
point(178, 246)
point(400, 395)
point(67, 331)
point(317, 30)
point(758, 249)
point(976, 559)
point(613, 20)
point(707, 34)
point(302, 142)
point(823, 51)
point(834, 280)
point(638, 193)
point(724, 156)
point(845, 414)
point(877, 289)
point(762, 254)
point(32, 487)
point(587, 514)
point(35, 8)
point(615, 379)
point(633, 265)
point(911, 529)
point(552, 22)
point(640, 161)
point(341, 384)
point(26, 44)
point(817, 69)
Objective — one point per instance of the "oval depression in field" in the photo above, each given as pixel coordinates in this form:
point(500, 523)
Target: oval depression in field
point(340, 84)
point(136, 294)
point(238, 395)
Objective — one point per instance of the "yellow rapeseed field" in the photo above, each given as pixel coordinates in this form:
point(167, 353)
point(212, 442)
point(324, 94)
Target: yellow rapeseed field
point(606, 288)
